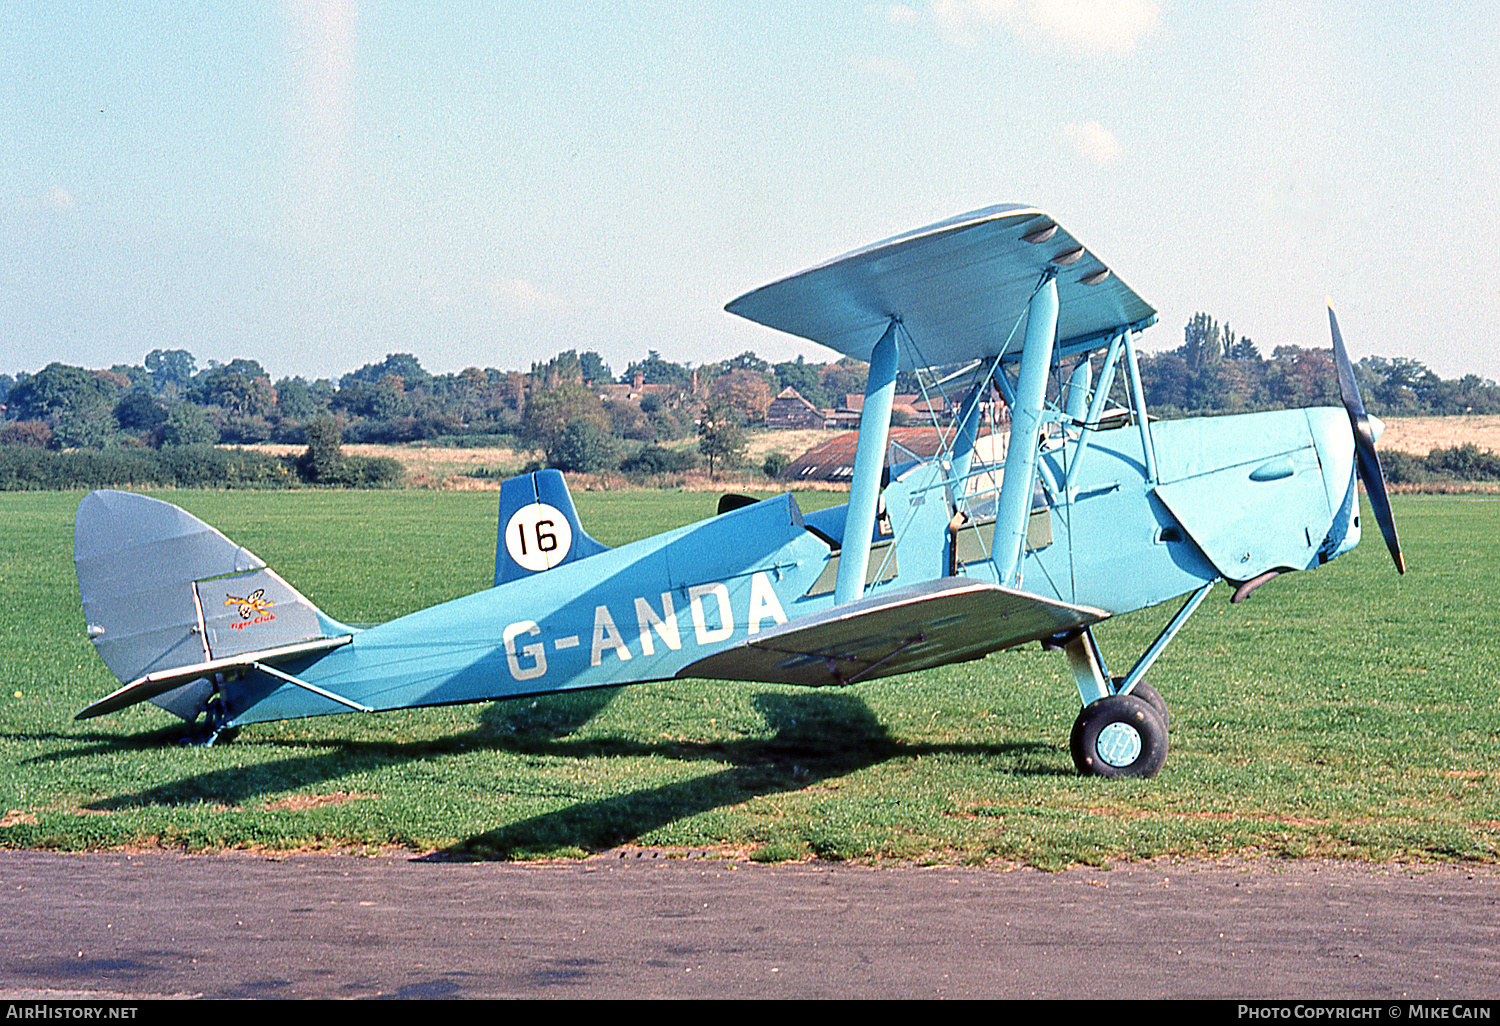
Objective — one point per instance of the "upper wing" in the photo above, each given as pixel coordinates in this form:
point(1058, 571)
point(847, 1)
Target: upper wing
point(930, 624)
point(958, 287)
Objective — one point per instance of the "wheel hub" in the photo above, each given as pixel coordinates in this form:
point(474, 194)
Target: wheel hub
point(1118, 744)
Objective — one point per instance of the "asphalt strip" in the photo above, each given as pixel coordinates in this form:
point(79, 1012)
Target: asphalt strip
point(117, 926)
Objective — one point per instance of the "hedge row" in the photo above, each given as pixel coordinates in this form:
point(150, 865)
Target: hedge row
point(1465, 462)
point(23, 468)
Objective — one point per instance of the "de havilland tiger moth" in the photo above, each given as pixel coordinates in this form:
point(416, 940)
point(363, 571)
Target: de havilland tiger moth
point(1093, 510)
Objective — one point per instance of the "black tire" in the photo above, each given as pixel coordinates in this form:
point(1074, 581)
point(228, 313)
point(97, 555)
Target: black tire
point(1153, 698)
point(1134, 739)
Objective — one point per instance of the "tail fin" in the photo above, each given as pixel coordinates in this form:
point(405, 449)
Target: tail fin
point(162, 590)
point(539, 527)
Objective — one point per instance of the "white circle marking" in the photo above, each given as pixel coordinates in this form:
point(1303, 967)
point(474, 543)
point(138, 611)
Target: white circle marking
point(538, 537)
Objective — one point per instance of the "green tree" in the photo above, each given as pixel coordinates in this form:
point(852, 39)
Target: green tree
point(583, 447)
point(57, 388)
point(401, 365)
point(240, 388)
point(564, 368)
point(33, 434)
point(1201, 343)
point(656, 371)
point(594, 369)
point(187, 424)
point(805, 377)
point(171, 366)
point(139, 412)
point(1240, 349)
point(1402, 384)
point(550, 411)
point(721, 437)
point(776, 461)
point(1302, 377)
point(748, 392)
point(746, 361)
point(297, 400)
point(846, 377)
point(323, 461)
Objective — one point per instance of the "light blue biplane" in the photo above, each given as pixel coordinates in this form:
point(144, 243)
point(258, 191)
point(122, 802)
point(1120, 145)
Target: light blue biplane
point(1082, 510)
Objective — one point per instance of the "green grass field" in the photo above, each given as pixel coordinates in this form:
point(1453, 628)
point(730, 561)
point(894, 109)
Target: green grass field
point(1342, 713)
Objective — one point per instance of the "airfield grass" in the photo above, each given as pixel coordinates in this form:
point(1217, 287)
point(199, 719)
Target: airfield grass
point(1343, 713)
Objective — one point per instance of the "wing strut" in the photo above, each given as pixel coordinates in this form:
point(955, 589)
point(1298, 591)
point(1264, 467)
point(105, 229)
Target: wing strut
point(1143, 422)
point(304, 685)
point(869, 461)
point(1095, 411)
point(1091, 674)
point(964, 434)
point(1167, 634)
point(1013, 510)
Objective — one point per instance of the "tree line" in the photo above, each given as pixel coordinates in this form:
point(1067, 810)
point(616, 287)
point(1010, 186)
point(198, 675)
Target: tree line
point(572, 408)
point(1216, 371)
point(583, 416)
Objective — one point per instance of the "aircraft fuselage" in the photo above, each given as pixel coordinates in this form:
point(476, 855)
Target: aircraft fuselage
point(1234, 497)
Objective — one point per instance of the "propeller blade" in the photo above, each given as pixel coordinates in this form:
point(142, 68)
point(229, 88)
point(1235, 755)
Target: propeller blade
point(1364, 445)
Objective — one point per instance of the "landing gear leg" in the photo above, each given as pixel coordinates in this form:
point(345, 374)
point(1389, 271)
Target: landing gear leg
point(1122, 730)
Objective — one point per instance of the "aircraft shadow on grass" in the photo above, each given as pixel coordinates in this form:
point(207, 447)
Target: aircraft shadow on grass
point(818, 736)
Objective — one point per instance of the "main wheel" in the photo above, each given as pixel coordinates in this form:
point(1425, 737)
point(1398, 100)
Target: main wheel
point(1119, 736)
point(1153, 699)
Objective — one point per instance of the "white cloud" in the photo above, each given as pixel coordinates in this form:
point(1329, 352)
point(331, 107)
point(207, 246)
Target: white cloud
point(53, 197)
point(900, 14)
point(1093, 25)
point(320, 53)
point(961, 21)
point(1096, 24)
point(1093, 142)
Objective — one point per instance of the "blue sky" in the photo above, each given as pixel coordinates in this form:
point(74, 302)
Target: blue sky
point(486, 184)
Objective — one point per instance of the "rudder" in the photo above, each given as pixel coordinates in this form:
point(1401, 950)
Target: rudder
point(162, 590)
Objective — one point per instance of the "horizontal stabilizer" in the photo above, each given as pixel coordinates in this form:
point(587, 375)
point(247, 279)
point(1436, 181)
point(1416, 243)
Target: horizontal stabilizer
point(159, 683)
point(168, 600)
point(915, 628)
